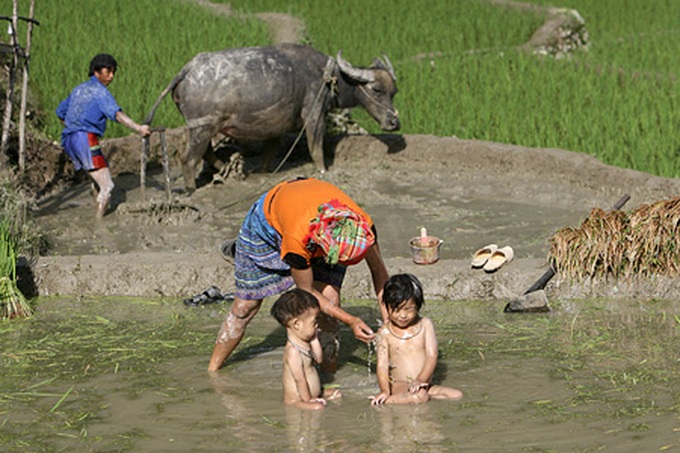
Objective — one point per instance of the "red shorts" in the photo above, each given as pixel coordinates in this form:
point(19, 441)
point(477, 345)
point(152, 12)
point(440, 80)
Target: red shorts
point(98, 160)
point(84, 151)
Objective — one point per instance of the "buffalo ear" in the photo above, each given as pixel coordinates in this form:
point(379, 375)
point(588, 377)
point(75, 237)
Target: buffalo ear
point(358, 74)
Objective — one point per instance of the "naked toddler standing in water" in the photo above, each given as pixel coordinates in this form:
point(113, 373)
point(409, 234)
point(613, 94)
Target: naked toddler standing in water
point(297, 310)
point(407, 348)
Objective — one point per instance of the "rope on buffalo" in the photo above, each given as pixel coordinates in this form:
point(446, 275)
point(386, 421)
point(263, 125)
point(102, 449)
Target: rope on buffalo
point(378, 103)
point(330, 88)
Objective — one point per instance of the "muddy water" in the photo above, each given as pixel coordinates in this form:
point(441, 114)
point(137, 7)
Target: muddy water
point(591, 376)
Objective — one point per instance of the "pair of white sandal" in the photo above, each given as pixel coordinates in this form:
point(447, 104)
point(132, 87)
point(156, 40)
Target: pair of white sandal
point(492, 258)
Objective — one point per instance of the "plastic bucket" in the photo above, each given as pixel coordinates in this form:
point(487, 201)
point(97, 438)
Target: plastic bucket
point(425, 250)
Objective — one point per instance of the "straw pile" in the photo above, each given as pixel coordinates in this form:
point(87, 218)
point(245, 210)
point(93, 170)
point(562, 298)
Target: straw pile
point(642, 242)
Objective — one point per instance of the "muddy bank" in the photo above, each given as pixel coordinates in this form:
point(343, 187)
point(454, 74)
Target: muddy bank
point(180, 276)
point(469, 193)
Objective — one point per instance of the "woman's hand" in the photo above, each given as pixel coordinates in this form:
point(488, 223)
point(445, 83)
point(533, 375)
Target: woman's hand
point(361, 330)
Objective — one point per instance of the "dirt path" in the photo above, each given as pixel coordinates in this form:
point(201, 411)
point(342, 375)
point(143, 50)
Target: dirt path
point(562, 32)
point(282, 27)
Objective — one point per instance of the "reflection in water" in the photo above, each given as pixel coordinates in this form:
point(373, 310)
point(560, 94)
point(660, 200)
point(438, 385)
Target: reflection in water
point(409, 428)
point(238, 409)
point(303, 428)
point(256, 418)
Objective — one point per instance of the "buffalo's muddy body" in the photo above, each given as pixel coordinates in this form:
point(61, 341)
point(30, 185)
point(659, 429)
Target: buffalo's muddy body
point(261, 93)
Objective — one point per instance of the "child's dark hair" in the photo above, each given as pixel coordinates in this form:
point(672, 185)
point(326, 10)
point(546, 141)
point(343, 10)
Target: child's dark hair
point(400, 288)
point(101, 61)
point(291, 304)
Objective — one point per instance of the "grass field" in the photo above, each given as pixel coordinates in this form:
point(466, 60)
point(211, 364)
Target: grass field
point(150, 39)
point(618, 101)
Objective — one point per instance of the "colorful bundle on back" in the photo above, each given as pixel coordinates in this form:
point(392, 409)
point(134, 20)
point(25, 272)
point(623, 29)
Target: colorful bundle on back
point(342, 234)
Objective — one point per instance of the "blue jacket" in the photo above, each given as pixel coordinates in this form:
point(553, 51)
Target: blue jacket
point(87, 108)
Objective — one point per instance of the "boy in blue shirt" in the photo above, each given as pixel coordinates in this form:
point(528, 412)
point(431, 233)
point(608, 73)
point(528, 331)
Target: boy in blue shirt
point(84, 114)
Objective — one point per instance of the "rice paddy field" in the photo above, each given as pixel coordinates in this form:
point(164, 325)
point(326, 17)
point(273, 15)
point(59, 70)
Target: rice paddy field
point(457, 62)
point(128, 375)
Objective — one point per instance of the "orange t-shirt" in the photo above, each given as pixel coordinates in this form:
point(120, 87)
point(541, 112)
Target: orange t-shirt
point(291, 205)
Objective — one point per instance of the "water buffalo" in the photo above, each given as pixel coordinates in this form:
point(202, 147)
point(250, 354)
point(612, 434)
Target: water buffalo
point(261, 93)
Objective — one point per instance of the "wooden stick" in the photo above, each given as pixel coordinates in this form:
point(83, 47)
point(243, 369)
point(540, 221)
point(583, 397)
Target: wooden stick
point(24, 92)
point(7, 120)
point(142, 166)
point(166, 166)
point(144, 157)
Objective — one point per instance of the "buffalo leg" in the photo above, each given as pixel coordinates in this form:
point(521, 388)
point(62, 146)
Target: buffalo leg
point(199, 139)
point(212, 159)
point(270, 148)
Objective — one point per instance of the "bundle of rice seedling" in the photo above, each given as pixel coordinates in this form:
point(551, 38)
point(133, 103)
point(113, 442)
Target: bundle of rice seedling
point(645, 241)
point(12, 302)
point(653, 238)
point(14, 211)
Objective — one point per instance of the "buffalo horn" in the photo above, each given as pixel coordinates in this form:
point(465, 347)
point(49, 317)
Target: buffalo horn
point(358, 74)
point(386, 65)
point(390, 69)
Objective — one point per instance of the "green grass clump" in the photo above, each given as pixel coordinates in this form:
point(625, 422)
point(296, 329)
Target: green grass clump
point(13, 304)
point(402, 29)
point(18, 235)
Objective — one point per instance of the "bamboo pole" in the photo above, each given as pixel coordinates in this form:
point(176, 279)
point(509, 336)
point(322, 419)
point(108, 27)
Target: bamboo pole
point(166, 167)
point(24, 91)
point(4, 141)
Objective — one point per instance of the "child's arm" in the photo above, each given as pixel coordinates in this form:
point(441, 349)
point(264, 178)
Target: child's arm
point(424, 377)
point(315, 349)
point(382, 370)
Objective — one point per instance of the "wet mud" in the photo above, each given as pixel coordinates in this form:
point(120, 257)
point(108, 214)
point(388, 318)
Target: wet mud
point(468, 193)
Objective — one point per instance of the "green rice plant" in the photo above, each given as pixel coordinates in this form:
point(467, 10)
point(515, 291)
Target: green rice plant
point(150, 39)
point(457, 62)
point(464, 76)
point(18, 234)
point(13, 304)
point(14, 208)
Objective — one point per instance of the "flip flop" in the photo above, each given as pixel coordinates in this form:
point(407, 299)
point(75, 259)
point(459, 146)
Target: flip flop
point(209, 296)
point(482, 255)
point(228, 250)
point(499, 258)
